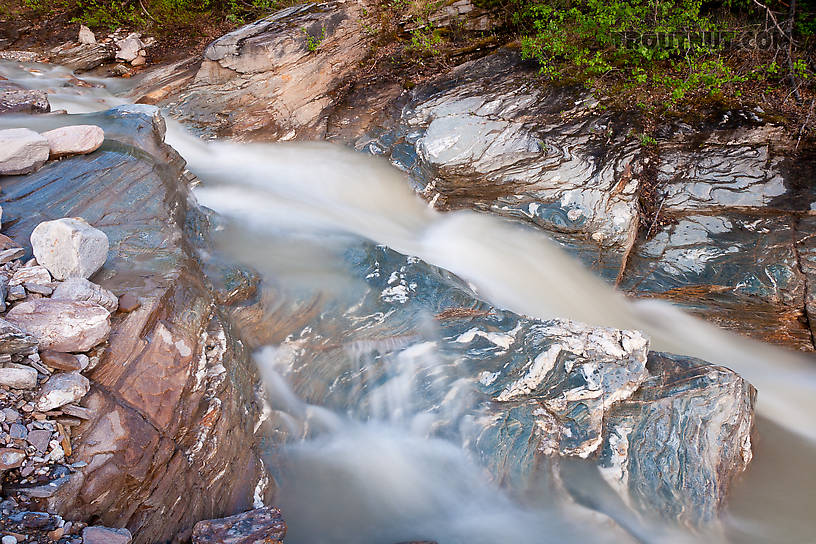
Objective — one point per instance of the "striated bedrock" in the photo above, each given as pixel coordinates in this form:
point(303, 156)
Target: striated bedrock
point(273, 79)
point(525, 396)
point(172, 401)
point(490, 135)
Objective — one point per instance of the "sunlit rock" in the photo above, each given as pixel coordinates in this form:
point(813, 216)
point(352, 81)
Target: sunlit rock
point(21, 151)
point(69, 247)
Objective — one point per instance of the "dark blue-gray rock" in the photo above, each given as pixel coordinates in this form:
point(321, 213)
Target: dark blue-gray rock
point(676, 445)
point(260, 525)
point(13, 340)
point(15, 99)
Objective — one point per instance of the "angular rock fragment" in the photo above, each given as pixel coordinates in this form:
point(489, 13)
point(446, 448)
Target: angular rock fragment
point(11, 254)
point(260, 525)
point(31, 274)
point(82, 289)
point(105, 535)
point(14, 340)
point(74, 140)
point(18, 378)
point(61, 389)
point(69, 247)
point(21, 151)
point(127, 303)
point(86, 36)
point(66, 326)
point(60, 361)
point(11, 458)
point(129, 47)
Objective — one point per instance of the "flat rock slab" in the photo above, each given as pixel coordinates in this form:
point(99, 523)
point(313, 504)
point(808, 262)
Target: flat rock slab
point(74, 140)
point(14, 340)
point(21, 151)
point(260, 525)
point(65, 326)
point(69, 247)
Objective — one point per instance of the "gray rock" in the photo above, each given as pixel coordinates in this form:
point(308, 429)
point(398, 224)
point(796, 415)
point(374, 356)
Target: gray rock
point(85, 56)
point(39, 438)
point(11, 458)
point(18, 378)
point(61, 389)
point(46, 490)
point(11, 254)
point(16, 430)
point(14, 340)
point(69, 247)
point(11, 415)
point(39, 289)
point(128, 48)
point(59, 325)
point(31, 274)
point(18, 100)
point(105, 535)
point(21, 151)
point(74, 140)
point(86, 36)
point(260, 525)
point(82, 289)
point(16, 292)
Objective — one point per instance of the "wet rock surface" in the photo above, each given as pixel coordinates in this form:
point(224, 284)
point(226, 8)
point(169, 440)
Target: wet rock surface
point(163, 437)
point(274, 78)
point(259, 525)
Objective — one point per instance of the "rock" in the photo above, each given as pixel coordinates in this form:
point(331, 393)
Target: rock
point(97, 534)
point(85, 57)
point(69, 247)
point(60, 361)
point(128, 303)
point(138, 61)
point(74, 140)
point(65, 326)
point(21, 151)
point(11, 254)
point(30, 274)
point(649, 455)
point(16, 292)
point(260, 525)
point(168, 438)
point(86, 36)
point(128, 48)
point(39, 439)
point(18, 431)
point(39, 289)
point(84, 290)
point(16, 99)
point(11, 458)
point(20, 56)
point(61, 389)
point(14, 340)
point(9, 539)
point(18, 378)
point(268, 81)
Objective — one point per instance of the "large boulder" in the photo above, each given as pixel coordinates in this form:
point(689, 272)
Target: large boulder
point(275, 78)
point(59, 325)
point(21, 151)
point(69, 247)
point(171, 411)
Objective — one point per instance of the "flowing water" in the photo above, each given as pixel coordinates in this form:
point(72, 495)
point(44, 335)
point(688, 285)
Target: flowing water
point(373, 401)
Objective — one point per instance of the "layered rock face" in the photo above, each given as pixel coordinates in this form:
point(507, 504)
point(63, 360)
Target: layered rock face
point(726, 239)
point(170, 415)
point(274, 79)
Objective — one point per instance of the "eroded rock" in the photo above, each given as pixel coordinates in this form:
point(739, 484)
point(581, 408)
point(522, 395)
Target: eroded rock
point(69, 247)
point(13, 340)
point(60, 389)
point(82, 289)
point(260, 525)
point(59, 325)
point(74, 140)
point(97, 534)
point(21, 151)
point(18, 377)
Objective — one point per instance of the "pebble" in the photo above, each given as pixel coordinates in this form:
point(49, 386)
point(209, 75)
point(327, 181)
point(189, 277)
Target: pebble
point(128, 303)
point(8, 539)
point(39, 439)
point(60, 361)
point(61, 389)
point(11, 458)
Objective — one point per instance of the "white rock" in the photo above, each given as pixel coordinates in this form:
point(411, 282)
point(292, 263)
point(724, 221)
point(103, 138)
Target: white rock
point(129, 48)
point(69, 247)
point(62, 325)
point(86, 37)
point(9, 539)
point(74, 140)
point(62, 389)
point(22, 151)
point(82, 289)
point(18, 377)
point(31, 274)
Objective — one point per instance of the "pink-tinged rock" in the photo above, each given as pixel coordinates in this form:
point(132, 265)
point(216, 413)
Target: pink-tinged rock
point(31, 274)
point(11, 458)
point(260, 525)
point(18, 378)
point(82, 289)
point(105, 535)
point(74, 140)
point(21, 151)
point(62, 389)
point(61, 325)
point(69, 247)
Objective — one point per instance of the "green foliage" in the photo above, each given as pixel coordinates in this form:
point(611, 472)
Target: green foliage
point(425, 39)
point(313, 42)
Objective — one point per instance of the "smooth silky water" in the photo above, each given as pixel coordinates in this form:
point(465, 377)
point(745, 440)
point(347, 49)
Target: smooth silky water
point(389, 457)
